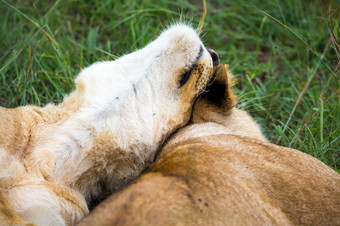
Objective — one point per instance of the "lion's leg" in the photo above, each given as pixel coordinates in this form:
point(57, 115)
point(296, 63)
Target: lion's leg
point(8, 216)
point(48, 204)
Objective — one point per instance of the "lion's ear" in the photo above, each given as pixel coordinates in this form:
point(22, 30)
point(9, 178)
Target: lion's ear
point(218, 92)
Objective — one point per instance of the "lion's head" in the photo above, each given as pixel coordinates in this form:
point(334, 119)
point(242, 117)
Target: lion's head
point(149, 93)
point(125, 109)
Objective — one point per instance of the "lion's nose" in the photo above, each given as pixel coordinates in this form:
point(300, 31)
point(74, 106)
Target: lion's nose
point(214, 57)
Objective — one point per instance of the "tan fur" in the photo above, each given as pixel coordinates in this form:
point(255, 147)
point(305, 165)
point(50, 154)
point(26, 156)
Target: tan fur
point(21, 129)
point(55, 159)
point(220, 170)
point(8, 216)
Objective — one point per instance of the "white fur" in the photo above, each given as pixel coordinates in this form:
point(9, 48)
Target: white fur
point(140, 118)
point(136, 98)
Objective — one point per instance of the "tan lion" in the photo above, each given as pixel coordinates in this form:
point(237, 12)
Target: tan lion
point(55, 159)
point(220, 170)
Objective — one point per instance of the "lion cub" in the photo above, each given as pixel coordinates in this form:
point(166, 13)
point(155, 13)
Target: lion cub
point(55, 159)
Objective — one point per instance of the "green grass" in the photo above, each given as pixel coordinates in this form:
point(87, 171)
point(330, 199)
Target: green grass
point(278, 50)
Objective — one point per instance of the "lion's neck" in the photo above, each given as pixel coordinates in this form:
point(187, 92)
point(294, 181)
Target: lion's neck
point(94, 149)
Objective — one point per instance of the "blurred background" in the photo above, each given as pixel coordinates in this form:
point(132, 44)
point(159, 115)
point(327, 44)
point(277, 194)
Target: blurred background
point(284, 54)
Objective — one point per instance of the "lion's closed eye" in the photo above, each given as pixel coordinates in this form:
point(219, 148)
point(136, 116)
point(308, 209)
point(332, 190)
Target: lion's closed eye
point(186, 74)
point(107, 131)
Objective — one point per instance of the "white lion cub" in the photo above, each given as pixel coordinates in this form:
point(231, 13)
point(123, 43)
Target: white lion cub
point(55, 159)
